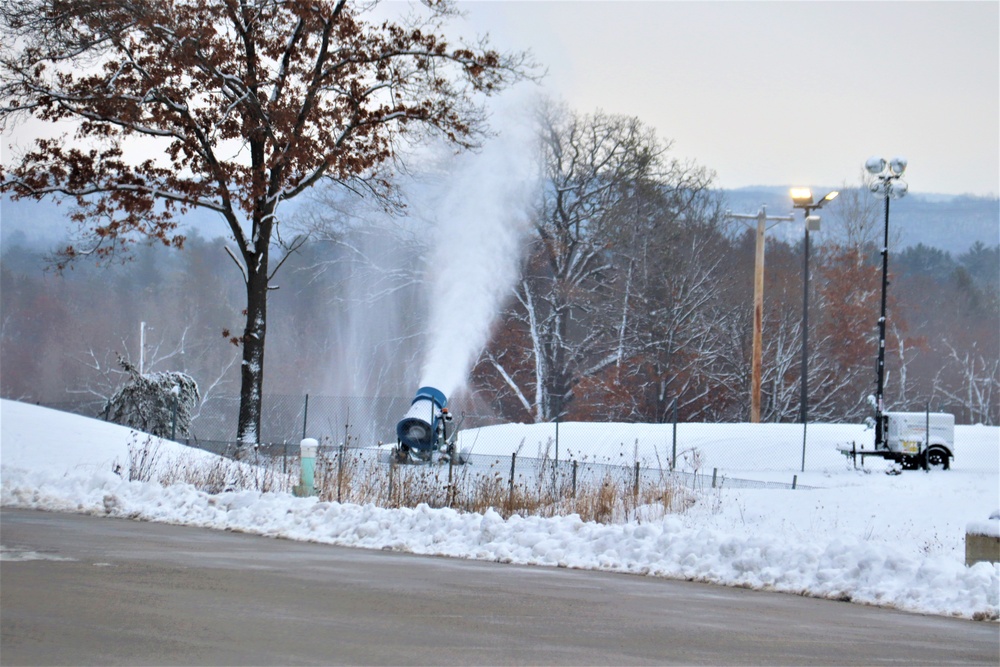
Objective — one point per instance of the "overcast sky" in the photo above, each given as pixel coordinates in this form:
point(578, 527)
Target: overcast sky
point(776, 93)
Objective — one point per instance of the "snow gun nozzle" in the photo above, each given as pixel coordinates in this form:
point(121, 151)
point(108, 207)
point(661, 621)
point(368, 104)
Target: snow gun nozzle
point(417, 430)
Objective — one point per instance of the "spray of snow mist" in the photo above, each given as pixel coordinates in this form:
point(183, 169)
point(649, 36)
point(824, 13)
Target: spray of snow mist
point(479, 224)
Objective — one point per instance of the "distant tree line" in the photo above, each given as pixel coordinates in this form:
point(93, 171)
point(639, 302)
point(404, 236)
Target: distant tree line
point(633, 301)
point(633, 288)
point(635, 293)
point(239, 108)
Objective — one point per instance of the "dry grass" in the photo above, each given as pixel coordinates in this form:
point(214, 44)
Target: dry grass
point(254, 472)
point(143, 458)
point(605, 494)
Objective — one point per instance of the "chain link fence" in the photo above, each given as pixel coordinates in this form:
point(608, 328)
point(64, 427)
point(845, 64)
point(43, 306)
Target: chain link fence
point(696, 455)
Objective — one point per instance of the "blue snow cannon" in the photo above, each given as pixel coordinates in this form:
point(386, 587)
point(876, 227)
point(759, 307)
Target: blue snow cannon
point(425, 431)
point(421, 432)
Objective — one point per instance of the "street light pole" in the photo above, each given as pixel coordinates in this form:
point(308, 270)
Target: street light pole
point(804, 395)
point(880, 367)
point(887, 186)
point(802, 198)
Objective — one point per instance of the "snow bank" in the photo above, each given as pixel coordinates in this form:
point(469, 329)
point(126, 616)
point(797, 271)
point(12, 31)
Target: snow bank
point(37, 438)
point(868, 538)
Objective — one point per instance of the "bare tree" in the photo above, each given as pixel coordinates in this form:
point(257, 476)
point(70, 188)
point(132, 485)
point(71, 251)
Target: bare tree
point(978, 386)
point(847, 293)
point(372, 274)
point(857, 220)
point(587, 163)
point(606, 183)
point(679, 261)
point(244, 104)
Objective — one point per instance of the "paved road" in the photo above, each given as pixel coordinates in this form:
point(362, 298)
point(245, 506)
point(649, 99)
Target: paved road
point(85, 590)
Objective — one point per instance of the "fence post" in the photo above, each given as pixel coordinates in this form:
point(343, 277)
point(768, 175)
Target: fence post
point(557, 439)
point(173, 423)
point(927, 430)
point(795, 481)
point(510, 497)
point(555, 464)
point(574, 478)
point(305, 416)
point(715, 472)
point(805, 427)
point(392, 474)
point(635, 484)
point(451, 487)
point(340, 473)
point(673, 458)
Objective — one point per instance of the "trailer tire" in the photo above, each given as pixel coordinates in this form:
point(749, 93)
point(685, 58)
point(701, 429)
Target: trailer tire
point(936, 458)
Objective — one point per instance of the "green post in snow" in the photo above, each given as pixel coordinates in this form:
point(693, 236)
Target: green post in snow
point(307, 480)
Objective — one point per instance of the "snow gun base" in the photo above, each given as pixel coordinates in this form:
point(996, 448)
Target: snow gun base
point(401, 454)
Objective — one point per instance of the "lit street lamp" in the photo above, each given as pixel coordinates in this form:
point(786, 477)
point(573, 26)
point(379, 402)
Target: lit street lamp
point(887, 186)
point(802, 198)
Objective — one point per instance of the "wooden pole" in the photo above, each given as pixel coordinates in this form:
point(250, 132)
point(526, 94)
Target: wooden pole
point(758, 306)
point(758, 318)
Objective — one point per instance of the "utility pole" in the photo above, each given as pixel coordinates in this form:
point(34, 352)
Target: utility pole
point(758, 303)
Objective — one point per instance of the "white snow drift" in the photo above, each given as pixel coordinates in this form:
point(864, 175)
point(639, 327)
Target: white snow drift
point(896, 541)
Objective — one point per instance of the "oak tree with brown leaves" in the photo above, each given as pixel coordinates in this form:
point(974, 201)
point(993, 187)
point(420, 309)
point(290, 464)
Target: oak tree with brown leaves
point(233, 106)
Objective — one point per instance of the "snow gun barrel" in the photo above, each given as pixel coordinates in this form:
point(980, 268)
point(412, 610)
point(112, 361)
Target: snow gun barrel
point(418, 429)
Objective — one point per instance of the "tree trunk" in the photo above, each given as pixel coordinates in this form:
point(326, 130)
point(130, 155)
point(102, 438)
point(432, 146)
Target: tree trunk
point(252, 374)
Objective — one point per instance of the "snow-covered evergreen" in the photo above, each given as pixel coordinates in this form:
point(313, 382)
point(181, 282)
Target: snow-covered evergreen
point(158, 403)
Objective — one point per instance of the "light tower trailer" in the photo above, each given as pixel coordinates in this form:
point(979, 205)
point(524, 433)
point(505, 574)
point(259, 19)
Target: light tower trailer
point(912, 439)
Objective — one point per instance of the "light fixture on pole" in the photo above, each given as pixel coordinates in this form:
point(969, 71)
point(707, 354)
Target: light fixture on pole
point(887, 185)
point(802, 198)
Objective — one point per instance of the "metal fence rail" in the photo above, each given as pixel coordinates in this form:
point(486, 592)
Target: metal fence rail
point(737, 453)
point(510, 485)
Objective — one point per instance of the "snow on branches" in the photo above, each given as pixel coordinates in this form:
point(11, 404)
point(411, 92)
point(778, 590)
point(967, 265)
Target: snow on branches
point(156, 403)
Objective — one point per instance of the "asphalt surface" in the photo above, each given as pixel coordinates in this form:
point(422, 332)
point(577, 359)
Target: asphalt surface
point(78, 590)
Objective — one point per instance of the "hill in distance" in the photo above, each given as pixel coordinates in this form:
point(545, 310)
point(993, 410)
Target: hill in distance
point(950, 223)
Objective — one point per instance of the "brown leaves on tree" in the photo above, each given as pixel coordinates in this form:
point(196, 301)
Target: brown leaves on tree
point(238, 106)
point(233, 340)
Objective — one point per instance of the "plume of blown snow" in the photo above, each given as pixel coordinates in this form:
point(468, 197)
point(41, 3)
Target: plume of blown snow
point(480, 219)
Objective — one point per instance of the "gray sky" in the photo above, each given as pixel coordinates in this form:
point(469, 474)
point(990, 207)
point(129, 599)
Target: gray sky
point(776, 93)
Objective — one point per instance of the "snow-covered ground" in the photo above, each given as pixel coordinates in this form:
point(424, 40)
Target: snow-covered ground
point(868, 537)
